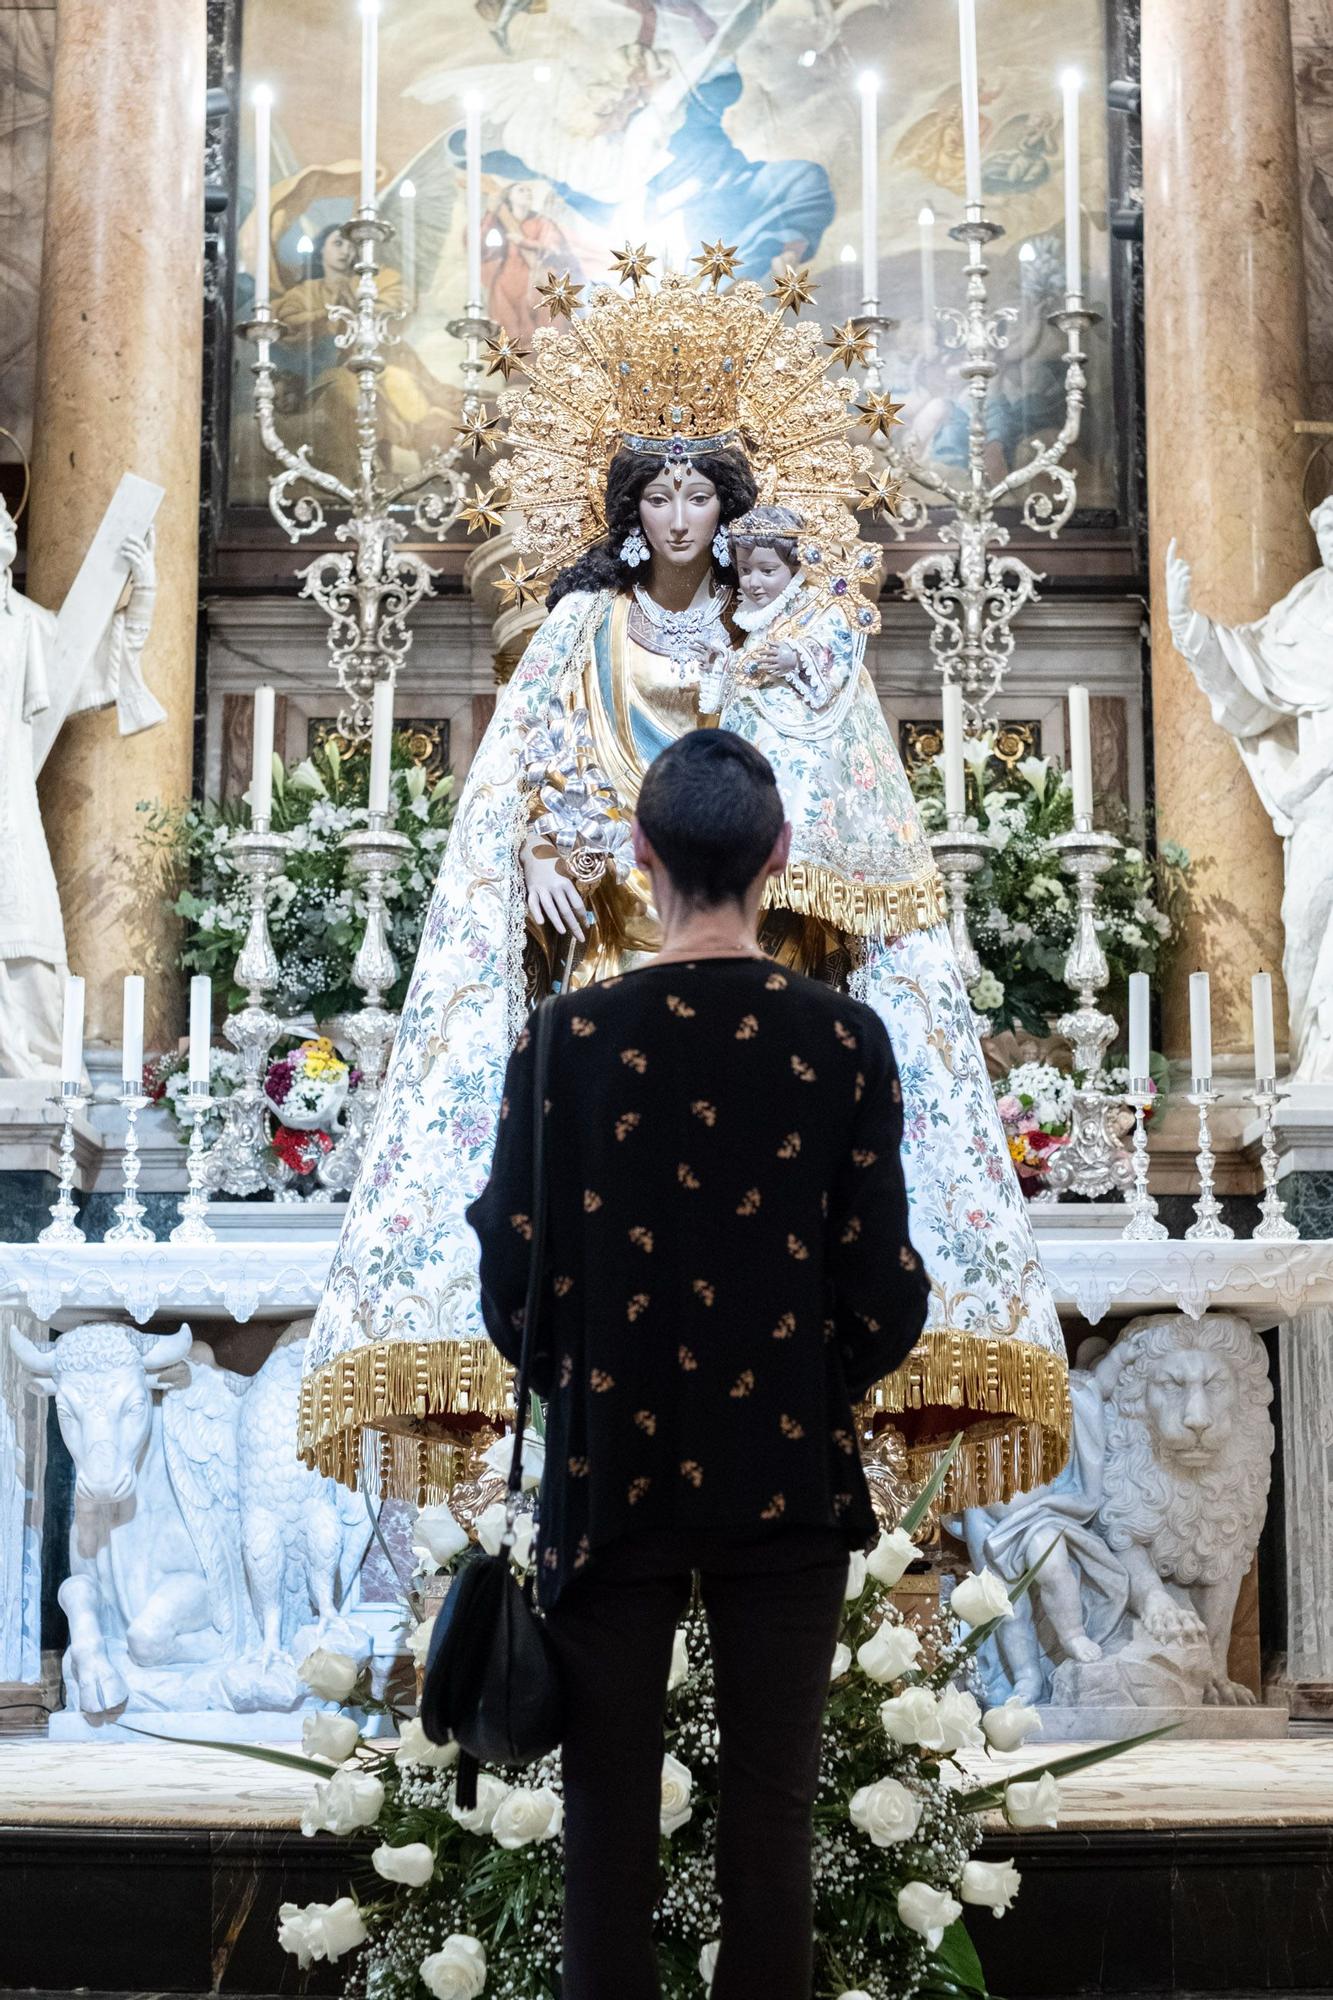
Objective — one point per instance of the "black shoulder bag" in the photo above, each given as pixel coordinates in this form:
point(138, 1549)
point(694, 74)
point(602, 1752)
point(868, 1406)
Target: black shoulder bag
point(492, 1682)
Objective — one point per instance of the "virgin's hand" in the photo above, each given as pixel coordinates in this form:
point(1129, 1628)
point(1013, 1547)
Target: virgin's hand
point(553, 897)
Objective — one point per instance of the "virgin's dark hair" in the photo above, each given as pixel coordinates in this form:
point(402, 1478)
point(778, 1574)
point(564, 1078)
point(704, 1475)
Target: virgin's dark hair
point(600, 567)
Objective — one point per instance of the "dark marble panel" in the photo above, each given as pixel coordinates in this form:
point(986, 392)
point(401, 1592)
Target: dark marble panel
point(1093, 1917)
point(25, 1204)
point(1309, 1199)
point(252, 1877)
point(106, 1910)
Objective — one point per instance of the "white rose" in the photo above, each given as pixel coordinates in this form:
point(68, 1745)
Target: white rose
point(677, 1784)
point(500, 1457)
point(978, 1599)
point(888, 1561)
point(680, 1660)
point(419, 1638)
point(708, 1961)
point(437, 1536)
point(413, 1864)
point(991, 1884)
point(929, 1912)
point(331, 1736)
point(331, 1676)
point(320, 1930)
point(960, 1721)
point(415, 1747)
point(1036, 1803)
point(856, 1575)
point(342, 1803)
point(457, 1971)
point(491, 1795)
point(842, 1659)
point(889, 1652)
point(913, 1717)
point(491, 1528)
point(1009, 1726)
point(859, 1994)
point(886, 1811)
point(527, 1814)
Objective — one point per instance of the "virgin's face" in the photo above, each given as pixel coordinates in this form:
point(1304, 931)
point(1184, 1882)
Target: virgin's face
point(680, 511)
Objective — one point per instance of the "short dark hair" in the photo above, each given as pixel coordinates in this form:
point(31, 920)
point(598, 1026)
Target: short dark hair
point(710, 806)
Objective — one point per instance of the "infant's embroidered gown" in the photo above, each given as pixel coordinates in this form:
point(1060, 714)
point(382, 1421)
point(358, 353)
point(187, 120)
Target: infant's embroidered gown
point(398, 1345)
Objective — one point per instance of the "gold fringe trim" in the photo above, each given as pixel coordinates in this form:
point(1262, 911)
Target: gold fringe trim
point(859, 909)
point(429, 1398)
point(1009, 1398)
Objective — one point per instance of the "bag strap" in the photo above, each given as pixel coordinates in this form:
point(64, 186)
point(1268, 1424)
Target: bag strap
point(541, 1076)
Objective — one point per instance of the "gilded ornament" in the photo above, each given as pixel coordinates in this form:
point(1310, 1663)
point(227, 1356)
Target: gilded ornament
point(506, 355)
point(717, 260)
point(519, 587)
point(880, 412)
point(793, 289)
point(560, 295)
point(881, 495)
point(478, 429)
point(633, 265)
point(850, 347)
point(482, 512)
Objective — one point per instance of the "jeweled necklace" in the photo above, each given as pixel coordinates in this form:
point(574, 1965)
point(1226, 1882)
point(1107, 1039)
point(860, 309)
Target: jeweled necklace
point(676, 634)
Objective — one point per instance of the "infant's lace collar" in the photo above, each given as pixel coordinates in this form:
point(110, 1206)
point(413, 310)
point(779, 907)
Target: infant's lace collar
point(757, 618)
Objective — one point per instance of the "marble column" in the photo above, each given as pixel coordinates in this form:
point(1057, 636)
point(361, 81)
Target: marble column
point(119, 390)
point(1225, 366)
point(1305, 1359)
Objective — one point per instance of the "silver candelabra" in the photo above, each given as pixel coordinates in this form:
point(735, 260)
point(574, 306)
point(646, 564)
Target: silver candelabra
point(971, 595)
point(374, 855)
point(961, 852)
point(235, 1161)
point(370, 589)
point(1274, 1226)
point(1093, 1160)
point(1207, 1226)
point(194, 1226)
point(130, 1226)
point(63, 1228)
point(1143, 1226)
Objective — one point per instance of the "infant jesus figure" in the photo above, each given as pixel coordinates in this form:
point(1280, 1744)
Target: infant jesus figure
point(775, 599)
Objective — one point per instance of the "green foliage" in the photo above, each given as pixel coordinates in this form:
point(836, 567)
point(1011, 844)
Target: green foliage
point(1022, 907)
point(317, 911)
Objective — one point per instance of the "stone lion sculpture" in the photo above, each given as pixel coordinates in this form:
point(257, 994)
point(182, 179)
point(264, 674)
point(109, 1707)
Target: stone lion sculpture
point(1189, 1447)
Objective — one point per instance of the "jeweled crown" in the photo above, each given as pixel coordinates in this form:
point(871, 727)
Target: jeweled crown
point(677, 390)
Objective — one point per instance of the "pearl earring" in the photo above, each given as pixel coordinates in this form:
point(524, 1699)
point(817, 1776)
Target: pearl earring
point(722, 549)
point(634, 549)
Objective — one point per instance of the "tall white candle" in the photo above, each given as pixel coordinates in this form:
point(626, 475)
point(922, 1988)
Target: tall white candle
point(261, 763)
point(131, 1030)
point(370, 92)
point(71, 1043)
point(955, 795)
point(472, 108)
point(1265, 1054)
point(408, 221)
point(381, 745)
point(1201, 1027)
point(868, 85)
point(1138, 1026)
point(925, 223)
point(1070, 84)
point(967, 49)
point(263, 103)
point(1080, 752)
point(201, 1026)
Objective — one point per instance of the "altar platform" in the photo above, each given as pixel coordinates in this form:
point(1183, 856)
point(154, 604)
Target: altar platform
point(1187, 1868)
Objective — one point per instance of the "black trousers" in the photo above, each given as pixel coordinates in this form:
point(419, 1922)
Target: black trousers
point(773, 1616)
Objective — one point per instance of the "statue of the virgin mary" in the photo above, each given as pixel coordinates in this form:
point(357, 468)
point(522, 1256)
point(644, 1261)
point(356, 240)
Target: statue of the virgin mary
point(647, 425)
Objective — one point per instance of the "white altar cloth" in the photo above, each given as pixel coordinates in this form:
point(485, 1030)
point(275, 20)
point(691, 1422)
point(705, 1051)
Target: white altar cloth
point(245, 1278)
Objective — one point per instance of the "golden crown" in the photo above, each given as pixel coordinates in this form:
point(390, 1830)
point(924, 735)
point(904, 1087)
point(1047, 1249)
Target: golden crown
point(682, 369)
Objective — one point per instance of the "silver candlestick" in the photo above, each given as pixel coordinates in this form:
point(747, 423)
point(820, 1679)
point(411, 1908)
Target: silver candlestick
point(193, 1226)
point(235, 1161)
point(1093, 1160)
point(131, 1227)
point(64, 1224)
point(1207, 1226)
point(960, 853)
point(970, 594)
point(1143, 1226)
point(874, 325)
point(374, 855)
point(1274, 1227)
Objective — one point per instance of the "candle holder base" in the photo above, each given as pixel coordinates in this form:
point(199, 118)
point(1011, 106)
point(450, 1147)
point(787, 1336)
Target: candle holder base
point(1207, 1226)
point(1274, 1228)
point(193, 1227)
point(1143, 1226)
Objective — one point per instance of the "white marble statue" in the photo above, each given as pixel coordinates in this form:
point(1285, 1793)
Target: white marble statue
point(22, 1465)
point(1270, 685)
point(1153, 1525)
point(32, 936)
point(205, 1560)
point(1079, 1598)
